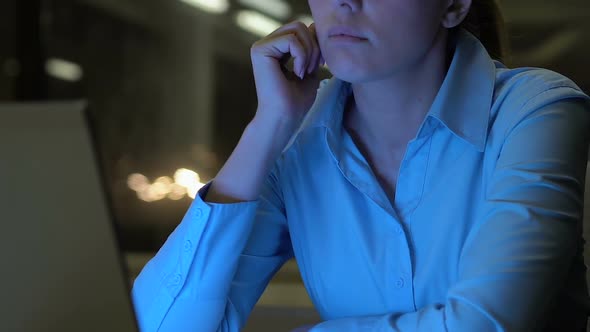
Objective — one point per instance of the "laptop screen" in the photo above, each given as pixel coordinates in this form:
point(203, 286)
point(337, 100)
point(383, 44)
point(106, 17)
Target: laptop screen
point(62, 269)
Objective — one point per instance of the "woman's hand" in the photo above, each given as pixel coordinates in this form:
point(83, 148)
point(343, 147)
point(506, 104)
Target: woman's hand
point(281, 93)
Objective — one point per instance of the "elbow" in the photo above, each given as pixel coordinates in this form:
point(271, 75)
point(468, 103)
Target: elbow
point(468, 316)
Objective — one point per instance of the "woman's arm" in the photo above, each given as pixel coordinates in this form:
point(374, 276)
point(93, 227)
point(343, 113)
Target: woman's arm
point(241, 178)
point(215, 265)
point(217, 262)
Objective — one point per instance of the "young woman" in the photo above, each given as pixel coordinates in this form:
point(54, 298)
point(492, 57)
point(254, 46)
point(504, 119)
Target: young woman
point(425, 187)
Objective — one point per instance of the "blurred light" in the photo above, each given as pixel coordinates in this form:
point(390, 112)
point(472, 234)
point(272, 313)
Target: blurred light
point(306, 19)
point(145, 195)
point(160, 189)
point(210, 6)
point(137, 182)
point(63, 69)
point(276, 8)
point(190, 180)
point(256, 23)
point(186, 182)
point(192, 192)
point(186, 177)
point(164, 180)
point(176, 192)
point(157, 191)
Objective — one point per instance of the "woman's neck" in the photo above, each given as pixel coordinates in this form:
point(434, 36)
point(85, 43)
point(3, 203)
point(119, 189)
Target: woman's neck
point(391, 110)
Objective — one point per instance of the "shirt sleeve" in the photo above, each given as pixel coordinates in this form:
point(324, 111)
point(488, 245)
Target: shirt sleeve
point(517, 258)
point(215, 265)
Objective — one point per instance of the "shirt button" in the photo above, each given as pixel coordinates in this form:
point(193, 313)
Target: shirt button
point(399, 283)
point(187, 245)
point(176, 280)
point(399, 230)
point(198, 213)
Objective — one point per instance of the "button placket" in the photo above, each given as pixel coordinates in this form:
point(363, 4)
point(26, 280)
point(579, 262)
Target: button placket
point(412, 175)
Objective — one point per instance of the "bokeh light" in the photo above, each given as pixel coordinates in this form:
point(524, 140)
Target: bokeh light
point(186, 182)
point(138, 182)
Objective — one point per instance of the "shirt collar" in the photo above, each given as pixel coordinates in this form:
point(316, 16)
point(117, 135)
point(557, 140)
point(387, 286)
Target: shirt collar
point(464, 100)
point(462, 104)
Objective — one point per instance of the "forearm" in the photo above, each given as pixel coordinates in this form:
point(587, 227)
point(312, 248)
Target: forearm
point(243, 175)
point(194, 269)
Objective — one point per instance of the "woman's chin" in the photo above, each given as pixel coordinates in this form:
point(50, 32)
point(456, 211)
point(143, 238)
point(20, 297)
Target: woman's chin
point(349, 74)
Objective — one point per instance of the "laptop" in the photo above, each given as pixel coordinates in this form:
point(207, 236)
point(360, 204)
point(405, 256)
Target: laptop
point(62, 269)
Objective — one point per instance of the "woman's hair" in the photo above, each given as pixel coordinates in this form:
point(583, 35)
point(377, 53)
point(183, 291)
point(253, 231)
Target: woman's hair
point(486, 22)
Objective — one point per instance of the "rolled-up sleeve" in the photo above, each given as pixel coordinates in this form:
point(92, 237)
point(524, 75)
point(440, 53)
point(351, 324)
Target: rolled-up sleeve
point(516, 259)
point(215, 265)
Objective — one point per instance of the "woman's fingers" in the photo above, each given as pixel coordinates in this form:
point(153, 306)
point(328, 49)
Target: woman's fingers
point(307, 40)
point(315, 57)
point(302, 33)
point(305, 49)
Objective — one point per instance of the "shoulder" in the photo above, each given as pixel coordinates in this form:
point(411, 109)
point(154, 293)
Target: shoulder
point(521, 87)
point(521, 92)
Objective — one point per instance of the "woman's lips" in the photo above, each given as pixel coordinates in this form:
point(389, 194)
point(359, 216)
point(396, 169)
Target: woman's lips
point(346, 38)
point(346, 31)
point(345, 34)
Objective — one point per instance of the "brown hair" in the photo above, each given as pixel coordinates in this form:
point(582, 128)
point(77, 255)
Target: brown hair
point(486, 22)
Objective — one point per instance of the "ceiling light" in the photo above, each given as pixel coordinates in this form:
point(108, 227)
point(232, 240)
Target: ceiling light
point(277, 8)
point(63, 69)
point(210, 6)
point(256, 23)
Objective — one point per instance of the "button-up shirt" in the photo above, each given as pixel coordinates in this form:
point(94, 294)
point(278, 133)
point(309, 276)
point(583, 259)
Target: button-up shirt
point(484, 233)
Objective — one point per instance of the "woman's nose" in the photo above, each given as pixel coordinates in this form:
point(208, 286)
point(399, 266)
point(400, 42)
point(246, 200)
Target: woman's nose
point(348, 5)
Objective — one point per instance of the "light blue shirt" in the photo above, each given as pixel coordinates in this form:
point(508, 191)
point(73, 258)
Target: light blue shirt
point(484, 235)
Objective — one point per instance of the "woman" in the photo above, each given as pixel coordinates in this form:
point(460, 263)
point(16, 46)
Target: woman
point(428, 187)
